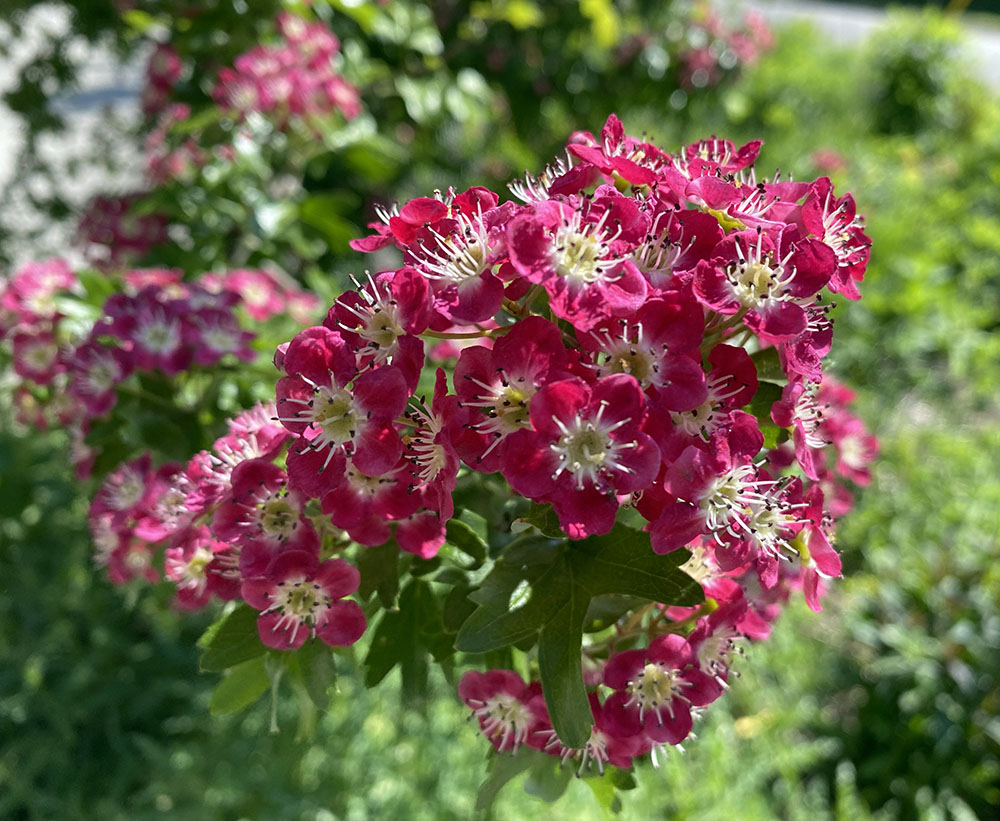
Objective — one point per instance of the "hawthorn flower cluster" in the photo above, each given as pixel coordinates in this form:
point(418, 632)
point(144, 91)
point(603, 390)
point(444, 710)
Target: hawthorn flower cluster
point(643, 334)
point(612, 326)
point(295, 78)
point(230, 527)
point(111, 235)
point(655, 277)
point(216, 523)
point(712, 44)
point(69, 366)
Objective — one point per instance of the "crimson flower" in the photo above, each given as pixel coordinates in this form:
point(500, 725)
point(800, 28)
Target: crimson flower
point(299, 596)
point(586, 447)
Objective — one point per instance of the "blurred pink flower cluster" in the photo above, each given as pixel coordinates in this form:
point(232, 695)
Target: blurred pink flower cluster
point(295, 78)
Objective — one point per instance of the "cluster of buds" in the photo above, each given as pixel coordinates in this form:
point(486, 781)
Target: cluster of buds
point(295, 78)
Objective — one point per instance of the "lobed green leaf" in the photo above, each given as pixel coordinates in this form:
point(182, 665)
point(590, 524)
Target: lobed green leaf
point(231, 640)
point(243, 685)
point(519, 600)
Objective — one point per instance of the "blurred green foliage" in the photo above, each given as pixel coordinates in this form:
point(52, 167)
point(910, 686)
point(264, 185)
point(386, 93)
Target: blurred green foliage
point(468, 91)
point(885, 706)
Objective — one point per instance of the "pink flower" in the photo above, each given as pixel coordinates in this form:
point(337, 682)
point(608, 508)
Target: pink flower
point(586, 447)
point(187, 563)
point(260, 294)
point(616, 153)
point(293, 78)
point(124, 491)
point(300, 596)
point(797, 409)
point(498, 385)
point(429, 448)
point(506, 707)
point(659, 348)
point(819, 558)
point(455, 242)
point(716, 639)
point(711, 156)
point(750, 277)
point(334, 416)
point(113, 236)
point(605, 746)
point(713, 483)
point(731, 384)
point(27, 297)
point(381, 321)
point(676, 241)
point(655, 690)
point(95, 370)
point(366, 506)
point(37, 356)
point(164, 67)
point(165, 510)
point(837, 223)
point(854, 445)
point(262, 512)
point(153, 326)
point(580, 252)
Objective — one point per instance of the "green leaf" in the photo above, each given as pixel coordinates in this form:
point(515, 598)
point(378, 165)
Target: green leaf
point(768, 366)
point(393, 642)
point(543, 517)
point(324, 213)
point(622, 779)
point(559, 667)
point(424, 567)
point(763, 400)
point(243, 685)
point(503, 769)
point(316, 671)
point(421, 96)
point(521, 14)
point(379, 567)
point(604, 611)
point(231, 641)
point(510, 608)
point(456, 608)
point(760, 406)
point(363, 13)
point(139, 21)
point(605, 793)
point(376, 159)
point(518, 600)
point(620, 562)
point(465, 538)
point(548, 779)
point(405, 637)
